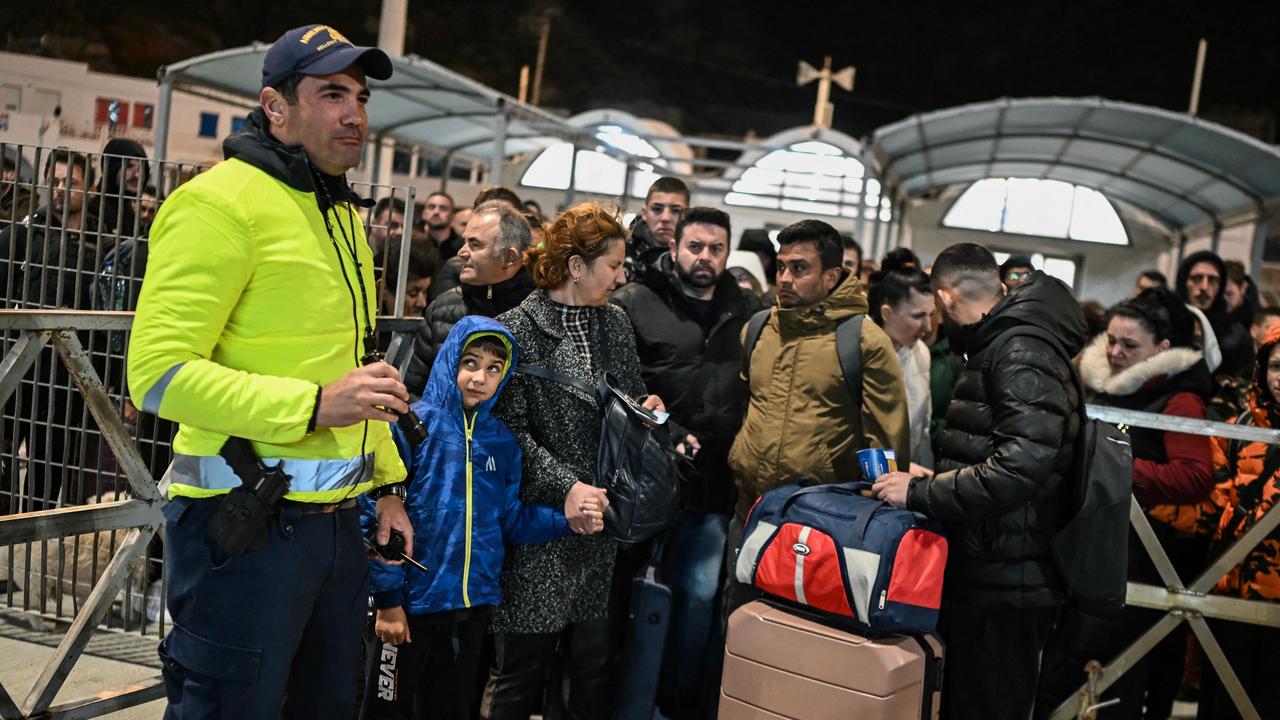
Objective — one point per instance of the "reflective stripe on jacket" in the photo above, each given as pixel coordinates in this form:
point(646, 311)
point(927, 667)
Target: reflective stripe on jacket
point(202, 476)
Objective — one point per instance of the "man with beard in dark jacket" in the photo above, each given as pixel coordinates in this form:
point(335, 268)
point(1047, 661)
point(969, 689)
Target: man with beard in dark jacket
point(688, 315)
point(48, 259)
point(123, 178)
point(437, 216)
point(493, 280)
point(999, 488)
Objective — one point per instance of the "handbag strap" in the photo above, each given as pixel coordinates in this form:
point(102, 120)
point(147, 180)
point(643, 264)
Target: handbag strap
point(547, 374)
point(559, 377)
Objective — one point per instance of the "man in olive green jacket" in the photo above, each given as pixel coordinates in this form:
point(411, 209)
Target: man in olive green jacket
point(801, 420)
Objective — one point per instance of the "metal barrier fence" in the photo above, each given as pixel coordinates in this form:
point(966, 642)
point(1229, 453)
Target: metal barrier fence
point(1182, 602)
point(77, 461)
point(74, 234)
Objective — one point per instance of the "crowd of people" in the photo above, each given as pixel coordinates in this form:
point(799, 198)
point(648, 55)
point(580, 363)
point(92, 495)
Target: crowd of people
point(79, 244)
point(984, 439)
point(523, 607)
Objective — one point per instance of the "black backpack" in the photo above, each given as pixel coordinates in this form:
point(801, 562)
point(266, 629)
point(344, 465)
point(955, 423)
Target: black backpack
point(1091, 548)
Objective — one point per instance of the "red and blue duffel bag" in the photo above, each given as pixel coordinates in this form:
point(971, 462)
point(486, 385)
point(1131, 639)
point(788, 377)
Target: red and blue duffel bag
point(855, 558)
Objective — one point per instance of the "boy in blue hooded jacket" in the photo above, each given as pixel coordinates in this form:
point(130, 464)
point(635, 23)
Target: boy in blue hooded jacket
point(463, 502)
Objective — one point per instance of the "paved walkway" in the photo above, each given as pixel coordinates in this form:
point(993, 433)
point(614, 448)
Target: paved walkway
point(25, 649)
point(114, 660)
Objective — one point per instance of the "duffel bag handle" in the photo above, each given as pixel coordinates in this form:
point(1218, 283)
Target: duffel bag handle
point(860, 488)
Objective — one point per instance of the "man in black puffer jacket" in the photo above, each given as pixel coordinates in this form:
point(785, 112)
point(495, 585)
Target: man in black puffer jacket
point(999, 488)
point(493, 277)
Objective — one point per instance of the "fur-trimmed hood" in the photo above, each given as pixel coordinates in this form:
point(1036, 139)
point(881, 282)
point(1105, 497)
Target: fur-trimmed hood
point(1095, 371)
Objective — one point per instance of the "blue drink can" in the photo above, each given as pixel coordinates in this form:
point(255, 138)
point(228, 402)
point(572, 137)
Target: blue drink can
point(876, 462)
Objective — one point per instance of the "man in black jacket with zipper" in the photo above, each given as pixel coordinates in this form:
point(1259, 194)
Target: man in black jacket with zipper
point(1000, 488)
point(688, 315)
point(493, 278)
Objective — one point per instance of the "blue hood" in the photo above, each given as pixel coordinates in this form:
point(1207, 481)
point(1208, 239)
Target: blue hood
point(463, 494)
point(442, 387)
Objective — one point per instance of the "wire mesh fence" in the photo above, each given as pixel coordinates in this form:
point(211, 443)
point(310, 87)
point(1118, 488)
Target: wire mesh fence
point(74, 233)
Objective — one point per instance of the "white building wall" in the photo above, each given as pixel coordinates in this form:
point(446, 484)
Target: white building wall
point(34, 85)
point(1236, 243)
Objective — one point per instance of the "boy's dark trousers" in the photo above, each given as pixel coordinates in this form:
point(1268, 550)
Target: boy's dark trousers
point(268, 634)
point(432, 675)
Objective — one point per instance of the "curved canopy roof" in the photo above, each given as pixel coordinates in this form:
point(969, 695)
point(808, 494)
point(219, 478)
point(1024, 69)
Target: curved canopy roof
point(754, 153)
point(1182, 170)
point(422, 103)
point(806, 170)
point(672, 152)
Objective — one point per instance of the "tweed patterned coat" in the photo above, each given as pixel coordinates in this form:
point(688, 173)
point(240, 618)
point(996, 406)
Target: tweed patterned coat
point(548, 586)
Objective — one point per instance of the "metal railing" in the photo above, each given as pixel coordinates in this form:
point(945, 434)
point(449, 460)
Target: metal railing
point(79, 509)
point(1183, 602)
point(139, 515)
point(135, 514)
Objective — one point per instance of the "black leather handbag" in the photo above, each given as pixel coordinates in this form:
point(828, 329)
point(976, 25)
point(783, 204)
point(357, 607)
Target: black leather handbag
point(636, 463)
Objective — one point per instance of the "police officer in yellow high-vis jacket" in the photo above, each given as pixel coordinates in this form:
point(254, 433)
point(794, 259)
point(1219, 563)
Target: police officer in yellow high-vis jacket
point(252, 321)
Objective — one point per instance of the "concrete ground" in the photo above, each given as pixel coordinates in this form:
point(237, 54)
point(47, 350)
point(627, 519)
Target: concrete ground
point(114, 660)
point(26, 644)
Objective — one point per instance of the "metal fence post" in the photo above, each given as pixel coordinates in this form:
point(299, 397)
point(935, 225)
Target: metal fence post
point(1188, 603)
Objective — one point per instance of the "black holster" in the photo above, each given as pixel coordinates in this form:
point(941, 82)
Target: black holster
point(243, 520)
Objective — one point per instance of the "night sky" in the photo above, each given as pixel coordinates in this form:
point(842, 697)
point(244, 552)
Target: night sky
point(716, 67)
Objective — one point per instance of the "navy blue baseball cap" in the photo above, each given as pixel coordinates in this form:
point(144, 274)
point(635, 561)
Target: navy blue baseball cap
point(320, 50)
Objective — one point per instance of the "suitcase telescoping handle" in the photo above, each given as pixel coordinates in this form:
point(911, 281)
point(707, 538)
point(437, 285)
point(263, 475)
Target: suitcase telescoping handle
point(859, 489)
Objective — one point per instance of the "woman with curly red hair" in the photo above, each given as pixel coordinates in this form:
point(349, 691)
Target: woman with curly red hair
point(556, 594)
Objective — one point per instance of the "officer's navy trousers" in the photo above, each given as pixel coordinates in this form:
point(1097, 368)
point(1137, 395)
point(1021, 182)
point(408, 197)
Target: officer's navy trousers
point(274, 632)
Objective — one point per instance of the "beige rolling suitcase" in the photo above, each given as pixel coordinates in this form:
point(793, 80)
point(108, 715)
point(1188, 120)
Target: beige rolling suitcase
point(778, 664)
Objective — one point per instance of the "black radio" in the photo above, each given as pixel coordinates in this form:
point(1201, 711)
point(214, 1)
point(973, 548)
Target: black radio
point(408, 421)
